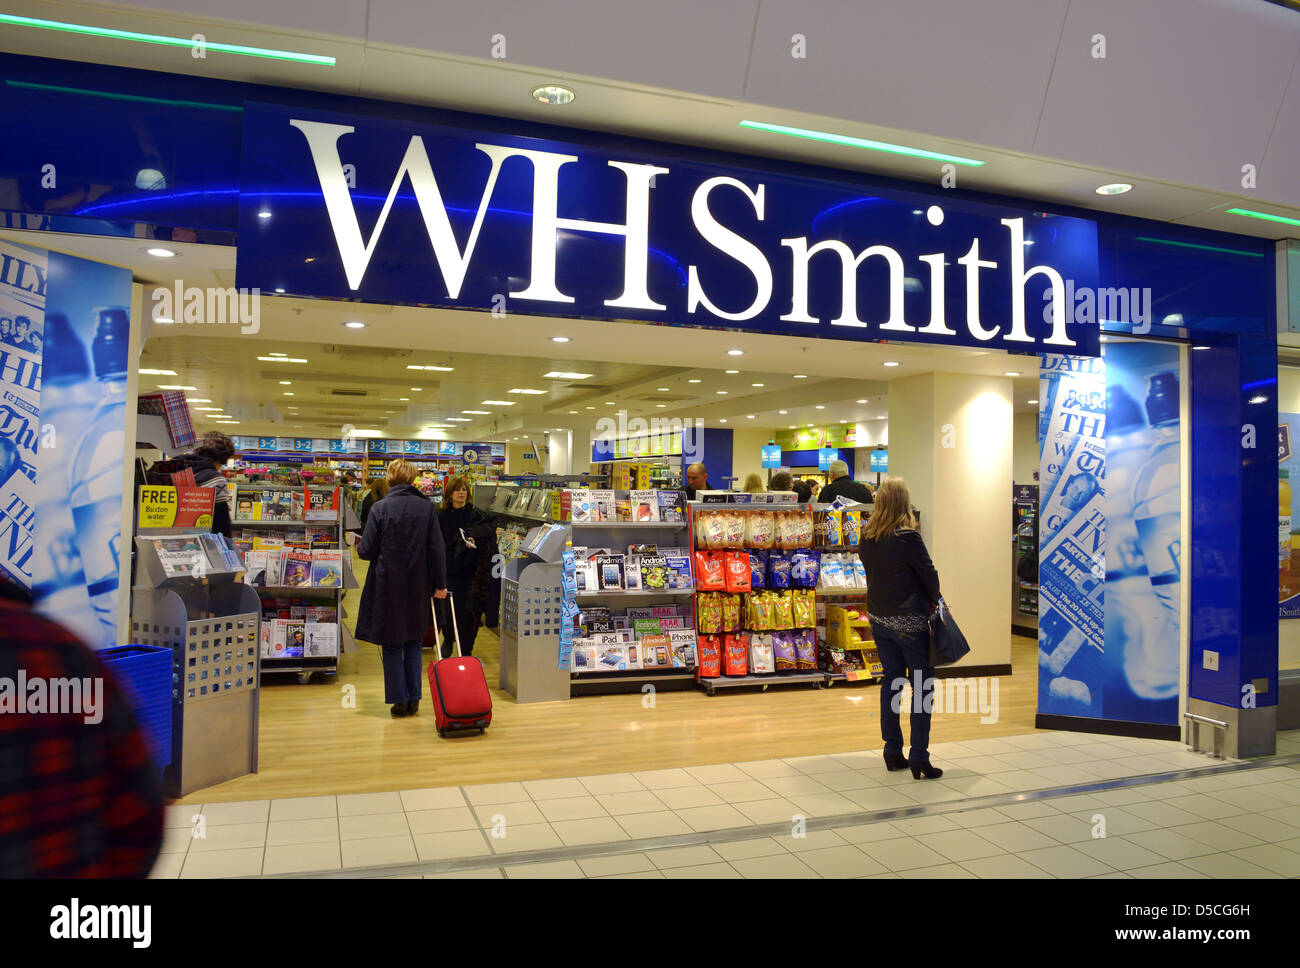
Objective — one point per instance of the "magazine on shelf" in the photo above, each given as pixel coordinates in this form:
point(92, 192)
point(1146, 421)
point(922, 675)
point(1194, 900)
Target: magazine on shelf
point(584, 656)
point(321, 613)
point(609, 572)
point(327, 569)
point(321, 505)
point(248, 508)
point(297, 503)
point(255, 567)
point(602, 506)
point(297, 568)
point(322, 640)
point(682, 648)
point(276, 506)
point(645, 505)
point(670, 506)
point(295, 639)
point(321, 537)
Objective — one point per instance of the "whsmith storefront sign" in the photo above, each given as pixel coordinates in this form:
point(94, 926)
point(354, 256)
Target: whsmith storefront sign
point(372, 209)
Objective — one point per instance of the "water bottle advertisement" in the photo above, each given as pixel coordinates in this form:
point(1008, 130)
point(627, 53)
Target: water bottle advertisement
point(1288, 529)
point(63, 440)
point(1110, 555)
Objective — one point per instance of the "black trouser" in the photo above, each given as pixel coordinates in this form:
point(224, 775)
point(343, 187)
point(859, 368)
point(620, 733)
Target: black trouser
point(906, 658)
point(467, 619)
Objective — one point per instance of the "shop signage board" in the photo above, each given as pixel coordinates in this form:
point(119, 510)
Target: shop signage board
point(403, 212)
point(880, 462)
point(826, 456)
point(771, 455)
point(179, 506)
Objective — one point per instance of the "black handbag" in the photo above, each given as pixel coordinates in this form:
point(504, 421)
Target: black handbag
point(947, 643)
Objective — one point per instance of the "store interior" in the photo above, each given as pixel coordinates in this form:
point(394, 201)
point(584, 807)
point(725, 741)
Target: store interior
point(310, 371)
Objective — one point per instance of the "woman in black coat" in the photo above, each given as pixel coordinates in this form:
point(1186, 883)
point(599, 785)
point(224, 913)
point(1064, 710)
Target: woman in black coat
point(469, 565)
point(403, 544)
point(902, 587)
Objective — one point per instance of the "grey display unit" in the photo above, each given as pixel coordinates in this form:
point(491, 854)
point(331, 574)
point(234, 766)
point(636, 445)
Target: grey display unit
point(210, 624)
point(346, 520)
point(532, 615)
point(618, 535)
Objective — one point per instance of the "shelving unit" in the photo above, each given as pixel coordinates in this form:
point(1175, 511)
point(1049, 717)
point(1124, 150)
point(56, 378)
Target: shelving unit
point(344, 519)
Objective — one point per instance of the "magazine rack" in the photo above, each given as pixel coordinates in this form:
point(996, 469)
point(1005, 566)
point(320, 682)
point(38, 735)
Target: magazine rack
point(532, 615)
point(210, 623)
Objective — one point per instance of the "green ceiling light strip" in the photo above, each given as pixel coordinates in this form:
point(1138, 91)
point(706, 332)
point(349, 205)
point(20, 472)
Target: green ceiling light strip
point(118, 96)
point(165, 41)
point(841, 139)
point(1207, 248)
point(1264, 215)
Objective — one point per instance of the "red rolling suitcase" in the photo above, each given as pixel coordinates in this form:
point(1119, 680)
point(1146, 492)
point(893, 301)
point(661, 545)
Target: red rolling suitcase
point(458, 687)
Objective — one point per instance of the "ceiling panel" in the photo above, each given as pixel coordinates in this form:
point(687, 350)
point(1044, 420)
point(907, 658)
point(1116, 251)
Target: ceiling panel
point(920, 65)
point(1188, 91)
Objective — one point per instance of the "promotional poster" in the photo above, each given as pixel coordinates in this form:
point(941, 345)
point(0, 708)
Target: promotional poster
point(1288, 541)
point(1110, 556)
point(64, 333)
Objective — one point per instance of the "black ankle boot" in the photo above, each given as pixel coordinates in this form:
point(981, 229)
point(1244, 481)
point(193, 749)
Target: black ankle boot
point(895, 761)
point(398, 710)
point(925, 770)
point(413, 707)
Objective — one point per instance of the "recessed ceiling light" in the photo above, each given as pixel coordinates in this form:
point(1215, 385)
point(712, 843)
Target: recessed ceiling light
point(280, 358)
point(662, 389)
point(1011, 373)
point(801, 376)
point(160, 253)
point(263, 214)
point(821, 406)
point(609, 403)
point(861, 401)
point(722, 393)
point(404, 399)
point(809, 425)
point(498, 403)
point(749, 416)
point(417, 389)
point(355, 324)
point(437, 369)
point(214, 409)
point(692, 381)
point(661, 404)
point(286, 383)
point(564, 375)
point(756, 384)
point(559, 339)
point(1115, 188)
point(477, 412)
point(733, 371)
point(289, 393)
point(841, 139)
point(1194, 347)
point(527, 391)
point(891, 363)
point(723, 420)
point(199, 400)
point(279, 289)
point(1033, 401)
point(157, 372)
point(310, 258)
point(459, 420)
point(880, 418)
point(782, 411)
point(791, 427)
point(553, 94)
point(735, 352)
point(173, 386)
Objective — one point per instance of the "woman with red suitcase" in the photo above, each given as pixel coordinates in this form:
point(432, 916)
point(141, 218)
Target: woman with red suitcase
point(403, 544)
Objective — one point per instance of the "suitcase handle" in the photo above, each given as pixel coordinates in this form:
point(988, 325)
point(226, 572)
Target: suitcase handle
point(455, 631)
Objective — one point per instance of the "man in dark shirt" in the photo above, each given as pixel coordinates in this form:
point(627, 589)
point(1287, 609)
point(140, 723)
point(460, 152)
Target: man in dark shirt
point(843, 485)
point(697, 479)
point(79, 793)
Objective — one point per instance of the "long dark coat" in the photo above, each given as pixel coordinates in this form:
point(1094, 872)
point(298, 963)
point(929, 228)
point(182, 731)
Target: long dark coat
point(403, 544)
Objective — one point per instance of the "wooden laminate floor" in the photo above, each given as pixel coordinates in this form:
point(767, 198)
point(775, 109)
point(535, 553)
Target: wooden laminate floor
point(311, 744)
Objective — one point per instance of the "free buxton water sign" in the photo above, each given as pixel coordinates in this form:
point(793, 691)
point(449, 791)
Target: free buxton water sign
point(406, 211)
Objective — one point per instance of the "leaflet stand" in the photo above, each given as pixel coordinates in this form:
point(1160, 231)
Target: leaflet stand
point(209, 620)
point(532, 615)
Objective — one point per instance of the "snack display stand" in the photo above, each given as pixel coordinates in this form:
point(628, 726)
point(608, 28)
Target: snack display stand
point(209, 619)
point(748, 538)
point(342, 520)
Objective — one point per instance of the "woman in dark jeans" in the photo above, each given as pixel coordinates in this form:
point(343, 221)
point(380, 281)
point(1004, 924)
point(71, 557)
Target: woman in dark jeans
point(902, 587)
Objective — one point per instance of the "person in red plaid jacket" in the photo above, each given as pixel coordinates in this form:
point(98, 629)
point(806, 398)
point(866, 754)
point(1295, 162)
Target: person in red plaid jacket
point(77, 798)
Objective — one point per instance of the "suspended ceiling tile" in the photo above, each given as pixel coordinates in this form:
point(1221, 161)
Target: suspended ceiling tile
point(1188, 91)
point(975, 72)
point(680, 44)
point(345, 18)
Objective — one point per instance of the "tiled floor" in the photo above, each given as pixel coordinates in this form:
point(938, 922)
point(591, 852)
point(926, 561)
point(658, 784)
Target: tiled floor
point(1240, 824)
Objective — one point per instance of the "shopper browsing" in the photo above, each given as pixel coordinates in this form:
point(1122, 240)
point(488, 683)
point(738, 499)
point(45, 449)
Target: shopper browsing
point(753, 484)
point(470, 538)
point(902, 588)
point(378, 488)
point(781, 481)
point(211, 454)
point(404, 546)
point(697, 479)
point(842, 485)
point(803, 489)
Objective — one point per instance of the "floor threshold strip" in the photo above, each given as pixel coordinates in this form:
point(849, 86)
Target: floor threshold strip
point(782, 829)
